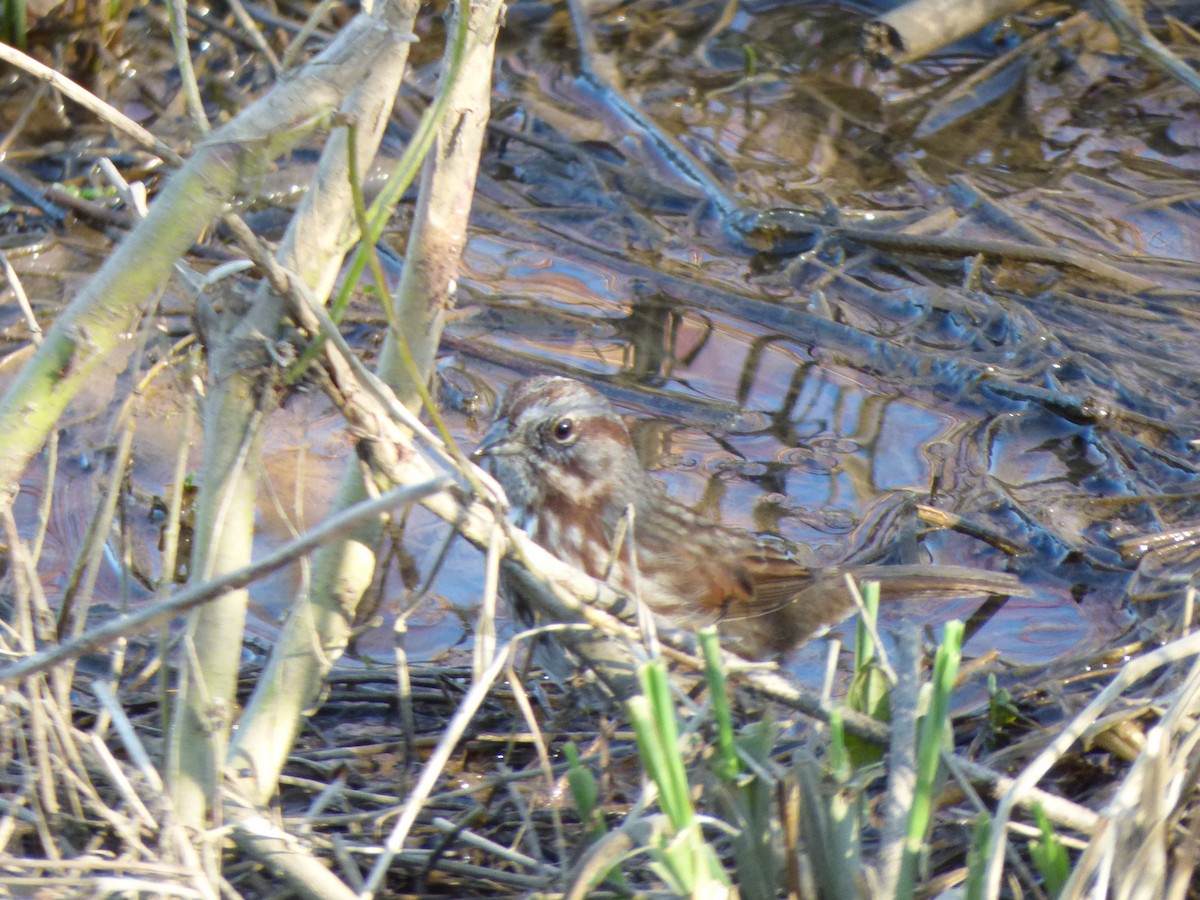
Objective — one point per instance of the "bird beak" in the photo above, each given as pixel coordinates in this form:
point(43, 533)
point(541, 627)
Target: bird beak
point(496, 442)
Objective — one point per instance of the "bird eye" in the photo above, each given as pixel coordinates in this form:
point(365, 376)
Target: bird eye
point(563, 430)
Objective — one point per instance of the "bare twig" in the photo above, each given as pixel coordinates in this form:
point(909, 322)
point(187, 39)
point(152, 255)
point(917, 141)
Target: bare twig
point(159, 614)
point(1132, 30)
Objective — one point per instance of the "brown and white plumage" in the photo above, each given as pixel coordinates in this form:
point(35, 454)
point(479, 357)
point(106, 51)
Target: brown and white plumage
point(570, 470)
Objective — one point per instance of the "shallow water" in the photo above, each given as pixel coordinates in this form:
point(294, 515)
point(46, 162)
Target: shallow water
point(819, 397)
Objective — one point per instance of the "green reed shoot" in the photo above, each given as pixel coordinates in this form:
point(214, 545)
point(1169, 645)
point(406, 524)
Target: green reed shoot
point(687, 864)
point(977, 858)
point(584, 791)
point(13, 23)
point(727, 765)
point(868, 691)
point(1049, 855)
point(931, 733)
point(744, 792)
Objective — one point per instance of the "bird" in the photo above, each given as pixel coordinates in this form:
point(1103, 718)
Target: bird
point(572, 475)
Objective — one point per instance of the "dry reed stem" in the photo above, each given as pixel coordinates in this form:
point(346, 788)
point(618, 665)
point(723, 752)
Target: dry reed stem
point(1129, 674)
point(89, 101)
point(158, 614)
point(432, 770)
point(313, 246)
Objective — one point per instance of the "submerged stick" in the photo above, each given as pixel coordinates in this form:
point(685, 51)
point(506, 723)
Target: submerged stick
point(916, 29)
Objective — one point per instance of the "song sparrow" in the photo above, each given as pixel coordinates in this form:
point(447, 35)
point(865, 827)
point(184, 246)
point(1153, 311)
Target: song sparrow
point(569, 468)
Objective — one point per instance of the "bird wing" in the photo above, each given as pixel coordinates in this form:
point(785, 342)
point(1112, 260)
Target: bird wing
point(791, 601)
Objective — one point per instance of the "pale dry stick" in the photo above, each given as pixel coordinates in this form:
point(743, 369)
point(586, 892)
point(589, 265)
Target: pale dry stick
point(1189, 610)
point(216, 715)
point(170, 536)
point(326, 795)
point(404, 695)
point(524, 816)
point(1131, 29)
point(485, 629)
point(901, 758)
point(869, 622)
point(34, 620)
point(1024, 830)
point(251, 27)
point(1148, 795)
point(954, 767)
point(281, 853)
point(1130, 673)
point(539, 742)
point(479, 842)
point(1180, 716)
point(47, 499)
point(25, 586)
point(31, 322)
point(1097, 857)
point(313, 247)
point(124, 827)
point(70, 758)
point(38, 812)
point(158, 614)
point(1141, 811)
point(311, 24)
point(39, 729)
point(227, 497)
point(432, 770)
point(13, 811)
point(345, 859)
point(832, 652)
point(90, 102)
point(424, 860)
point(132, 195)
point(439, 231)
point(108, 886)
point(124, 541)
point(22, 120)
point(917, 28)
point(77, 595)
point(1185, 857)
point(317, 320)
point(177, 12)
point(98, 886)
point(318, 786)
point(138, 754)
point(117, 777)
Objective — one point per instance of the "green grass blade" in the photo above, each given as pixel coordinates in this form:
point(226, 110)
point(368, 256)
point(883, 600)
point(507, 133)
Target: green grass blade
point(1049, 855)
point(727, 766)
point(930, 735)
